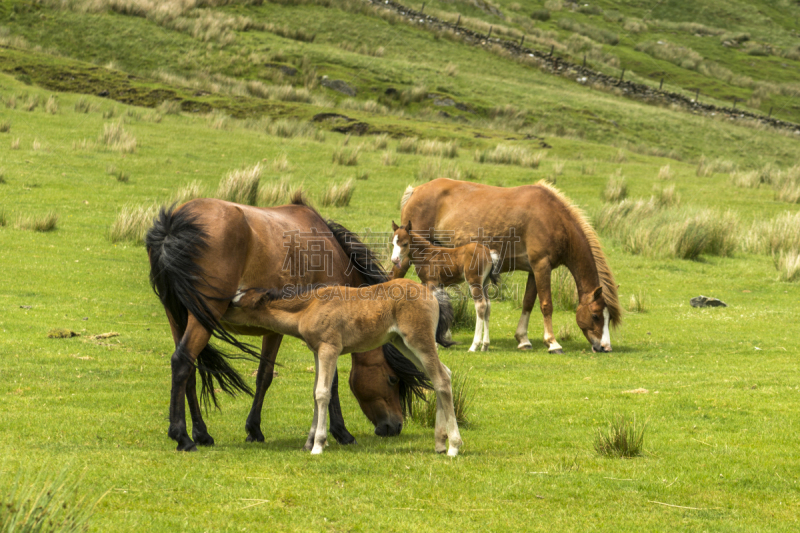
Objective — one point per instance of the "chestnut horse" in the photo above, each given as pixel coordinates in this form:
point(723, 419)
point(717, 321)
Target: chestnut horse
point(202, 252)
point(334, 320)
point(438, 266)
point(534, 228)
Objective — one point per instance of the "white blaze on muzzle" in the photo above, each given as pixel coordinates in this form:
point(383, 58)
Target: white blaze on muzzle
point(395, 251)
point(605, 342)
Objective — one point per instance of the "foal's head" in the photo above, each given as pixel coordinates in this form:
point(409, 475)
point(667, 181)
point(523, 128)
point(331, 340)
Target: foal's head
point(594, 319)
point(401, 242)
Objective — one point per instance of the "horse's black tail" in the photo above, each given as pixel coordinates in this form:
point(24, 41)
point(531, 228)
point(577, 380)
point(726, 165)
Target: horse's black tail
point(174, 244)
point(446, 317)
point(412, 381)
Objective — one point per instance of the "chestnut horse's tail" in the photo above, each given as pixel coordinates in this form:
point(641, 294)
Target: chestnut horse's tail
point(174, 244)
point(446, 317)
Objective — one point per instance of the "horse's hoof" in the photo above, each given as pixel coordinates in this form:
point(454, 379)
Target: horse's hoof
point(254, 438)
point(452, 452)
point(559, 350)
point(317, 450)
point(186, 447)
point(525, 347)
point(472, 349)
point(206, 440)
point(485, 348)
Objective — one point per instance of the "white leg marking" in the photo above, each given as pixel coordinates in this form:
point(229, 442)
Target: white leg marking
point(476, 340)
point(522, 331)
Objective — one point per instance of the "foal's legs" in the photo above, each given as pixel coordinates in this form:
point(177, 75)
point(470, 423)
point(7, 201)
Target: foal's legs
point(481, 326)
point(421, 350)
point(527, 305)
point(325, 362)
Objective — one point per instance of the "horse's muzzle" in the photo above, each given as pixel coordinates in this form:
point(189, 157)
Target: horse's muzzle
point(601, 349)
point(385, 429)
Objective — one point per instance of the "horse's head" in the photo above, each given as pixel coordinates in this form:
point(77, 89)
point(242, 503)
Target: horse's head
point(401, 242)
point(594, 319)
point(377, 388)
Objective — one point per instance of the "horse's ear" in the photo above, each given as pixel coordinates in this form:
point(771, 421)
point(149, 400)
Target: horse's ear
point(597, 294)
point(408, 226)
point(395, 227)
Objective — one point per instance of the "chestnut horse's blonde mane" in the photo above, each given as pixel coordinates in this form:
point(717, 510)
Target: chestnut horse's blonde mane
point(604, 273)
point(406, 195)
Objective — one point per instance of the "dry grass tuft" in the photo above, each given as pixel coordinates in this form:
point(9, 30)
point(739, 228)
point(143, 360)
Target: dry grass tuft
point(639, 302)
point(430, 169)
point(423, 411)
point(389, 158)
point(788, 265)
point(42, 223)
point(622, 438)
point(509, 155)
point(132, 223)
point(338, 195)
point(5, 126)
point(346, 156)
point(664, 173)
point(115, 137)
point(241, 186)
point(616, 189)
point(51, 106)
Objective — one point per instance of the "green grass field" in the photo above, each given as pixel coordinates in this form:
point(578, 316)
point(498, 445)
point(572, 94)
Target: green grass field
point(718, 387)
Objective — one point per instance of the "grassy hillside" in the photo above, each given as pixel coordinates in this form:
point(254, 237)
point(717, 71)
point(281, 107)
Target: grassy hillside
point(107, 111)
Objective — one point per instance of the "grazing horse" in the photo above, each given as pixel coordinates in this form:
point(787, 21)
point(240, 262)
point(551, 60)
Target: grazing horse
point(205, 250)
point(438, 266)
point(335, 320)
point(534, 228)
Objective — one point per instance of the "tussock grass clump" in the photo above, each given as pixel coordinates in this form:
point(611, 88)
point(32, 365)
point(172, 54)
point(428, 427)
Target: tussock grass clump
point(646, 227)
point(132, 223)
point(668, 196)
point(42, 223)
point(788, 192)
point(541, 14)
point(381, 142)
point(31, 102)
point(563, 290)
point(84, 105)
point(679, 55)
point(169, 107)
point(780, 234)
point(503, 154)
point(451, 69)
point(15, 144)
point(115, 137)
point(664, 173)
point(5, 126)
point(346, 156)
point(389, 158)
point(338, 195)
point(369, 106)
point(706, 167)
point(431, 169)
point(283, 93)
point(788, 265)
point(639, 302)
point(241, 186)
point(600, 35)
point(616, 189)
point(45, 503)
point(280, 163)
point(623, 437)
point(414, 94)
point(51, 106)
point(289, 128)
point(746, 180)
point(430, 147)
point(464, 316)
point(218, 120)
point(3, 176)
point(277, 193)
point(3, 218)
point(566, 332)
point(120, 175)
point(423, 411)
point(189, 192)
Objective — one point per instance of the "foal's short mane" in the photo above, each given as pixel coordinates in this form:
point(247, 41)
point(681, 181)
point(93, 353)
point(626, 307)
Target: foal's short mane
point(603, 271)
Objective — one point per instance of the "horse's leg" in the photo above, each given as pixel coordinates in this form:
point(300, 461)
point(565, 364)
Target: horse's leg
point(542, 271)
point(338, 430)
point(194, 340)
point(199, 430)
point(269, 351)
point(486, 314)
point(309, 445)
point(480, 313)
point(446, 423)
point(422, 351)
point(327, 356)
point(527, 305)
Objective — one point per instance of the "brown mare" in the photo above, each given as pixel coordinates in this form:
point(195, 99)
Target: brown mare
point(534, 228)
point(205, 250)
point(335, 320)
point(438, 266)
